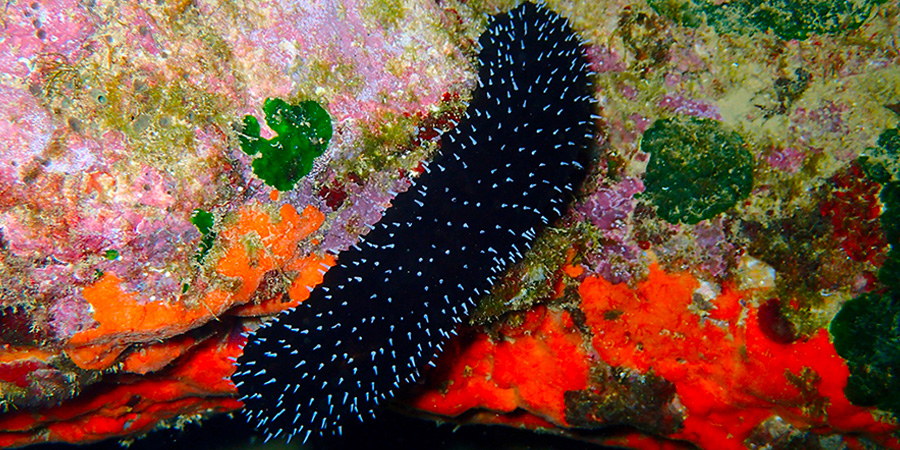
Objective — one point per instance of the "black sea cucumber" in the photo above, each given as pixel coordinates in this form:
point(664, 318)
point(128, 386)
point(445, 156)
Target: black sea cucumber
point(508, 169)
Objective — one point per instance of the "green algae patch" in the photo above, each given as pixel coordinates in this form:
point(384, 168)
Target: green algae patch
point(882, 163)
point(697, 170)
point(204, 221)
point(787, 19)
point(866, 333)
point(889, 274)
point(303, 132)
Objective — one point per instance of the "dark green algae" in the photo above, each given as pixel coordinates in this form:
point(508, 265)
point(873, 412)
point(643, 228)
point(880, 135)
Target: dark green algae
point(698, 169)
point(204, 222)
point(787, 19)
point(882, 162)
point(866, 331)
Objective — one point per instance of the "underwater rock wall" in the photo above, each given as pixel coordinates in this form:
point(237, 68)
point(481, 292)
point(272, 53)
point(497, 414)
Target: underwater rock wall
point(727, 277)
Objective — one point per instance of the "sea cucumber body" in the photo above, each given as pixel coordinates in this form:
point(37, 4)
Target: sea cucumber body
point(508, 169)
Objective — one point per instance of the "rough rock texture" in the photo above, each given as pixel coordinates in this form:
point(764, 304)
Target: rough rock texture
point(766, 321)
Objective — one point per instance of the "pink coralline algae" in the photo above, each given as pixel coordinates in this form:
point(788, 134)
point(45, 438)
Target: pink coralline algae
point(120, 121)
point(301, 37)
point(603, 59)
point(31, 29)
point(680, 105)
point(829, 124)
point(69, 315)
point(787, 159)
point(615, 262)
point(370, 201)
point(609, 208)
point(117, 123)
point(716, 254)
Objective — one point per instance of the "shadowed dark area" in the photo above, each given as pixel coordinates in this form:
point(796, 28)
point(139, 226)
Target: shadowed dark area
point(390, 430)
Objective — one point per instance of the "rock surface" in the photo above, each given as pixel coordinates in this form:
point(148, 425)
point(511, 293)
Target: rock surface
point(137, 243)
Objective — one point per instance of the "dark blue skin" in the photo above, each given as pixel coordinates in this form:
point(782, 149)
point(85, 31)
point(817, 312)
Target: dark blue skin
point(506, 171)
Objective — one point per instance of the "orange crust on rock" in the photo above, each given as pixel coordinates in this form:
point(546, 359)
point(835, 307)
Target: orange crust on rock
point(532, 369)
point(197, 384)
point(729, 376)
point(123, 318)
